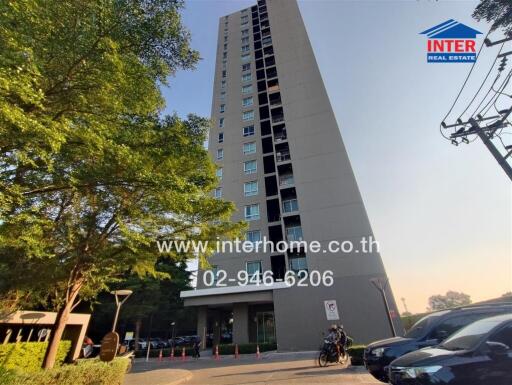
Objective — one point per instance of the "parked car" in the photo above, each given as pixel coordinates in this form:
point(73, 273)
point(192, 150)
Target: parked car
point(478, 354)
point(428, 331)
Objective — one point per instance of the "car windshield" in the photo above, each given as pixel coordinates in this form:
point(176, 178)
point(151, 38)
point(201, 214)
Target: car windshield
point(423, 325)
point(468, 337)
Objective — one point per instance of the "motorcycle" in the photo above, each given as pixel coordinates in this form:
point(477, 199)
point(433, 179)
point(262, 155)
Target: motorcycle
point(329, 352)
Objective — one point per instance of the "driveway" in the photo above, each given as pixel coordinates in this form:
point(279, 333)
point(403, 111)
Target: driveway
point(272, 369)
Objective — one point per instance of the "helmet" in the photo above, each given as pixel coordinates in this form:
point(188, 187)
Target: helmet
point(333, 327)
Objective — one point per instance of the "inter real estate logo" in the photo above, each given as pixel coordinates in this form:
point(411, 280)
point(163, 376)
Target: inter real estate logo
point(451, 42)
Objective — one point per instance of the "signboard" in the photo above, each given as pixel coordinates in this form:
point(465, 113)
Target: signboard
point(109, 346)
point(128, 336)
point(331, 310)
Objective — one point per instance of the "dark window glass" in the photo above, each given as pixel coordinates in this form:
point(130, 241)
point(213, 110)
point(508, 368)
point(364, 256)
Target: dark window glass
point(265, 128)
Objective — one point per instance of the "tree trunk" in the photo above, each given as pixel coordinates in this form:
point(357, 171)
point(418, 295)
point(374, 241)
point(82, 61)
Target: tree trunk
point(59, 326)
point(138, 324)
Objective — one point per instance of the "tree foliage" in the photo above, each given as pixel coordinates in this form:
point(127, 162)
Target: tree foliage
point(498, 12)
point(448, 301)
point(90, 175)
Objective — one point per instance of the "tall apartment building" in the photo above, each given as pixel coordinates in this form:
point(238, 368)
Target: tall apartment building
point(283, 163)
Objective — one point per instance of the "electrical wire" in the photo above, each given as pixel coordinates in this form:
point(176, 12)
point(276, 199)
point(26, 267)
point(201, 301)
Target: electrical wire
point(462, 88)
point(483, 82)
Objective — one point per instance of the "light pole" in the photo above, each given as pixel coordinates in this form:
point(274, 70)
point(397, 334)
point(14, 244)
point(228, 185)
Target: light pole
point(119, 294)
point(380, 285)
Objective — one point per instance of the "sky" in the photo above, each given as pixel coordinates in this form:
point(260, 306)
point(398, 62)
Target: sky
point(442, 214)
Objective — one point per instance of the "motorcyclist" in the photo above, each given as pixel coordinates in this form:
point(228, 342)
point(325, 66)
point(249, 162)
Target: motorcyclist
point(338, 336)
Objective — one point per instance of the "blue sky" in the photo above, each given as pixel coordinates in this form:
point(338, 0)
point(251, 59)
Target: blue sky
point(442, 214)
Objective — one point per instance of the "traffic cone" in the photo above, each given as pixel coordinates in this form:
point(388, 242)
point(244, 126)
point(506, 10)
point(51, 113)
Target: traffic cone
point(217, 357)
point(258, 352)
point(171, 357)
point(236, 351)
point(160, 356)
point(183, 354)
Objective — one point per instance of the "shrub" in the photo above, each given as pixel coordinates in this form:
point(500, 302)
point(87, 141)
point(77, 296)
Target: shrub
point(28, 356)
point(356, 354)
point(85, 372)
point(245, 348)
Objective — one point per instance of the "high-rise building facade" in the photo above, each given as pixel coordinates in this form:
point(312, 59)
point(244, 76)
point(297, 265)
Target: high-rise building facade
point(282, 161)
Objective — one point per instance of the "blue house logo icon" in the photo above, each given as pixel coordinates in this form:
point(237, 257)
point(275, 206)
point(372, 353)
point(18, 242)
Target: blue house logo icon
point(451, 42)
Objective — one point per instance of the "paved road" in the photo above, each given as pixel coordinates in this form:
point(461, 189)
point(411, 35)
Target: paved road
point(275, 369)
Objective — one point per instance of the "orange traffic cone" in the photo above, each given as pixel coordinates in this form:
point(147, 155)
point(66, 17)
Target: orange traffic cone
point(171, 357)
point(217, 357)
point(258, 356)
point(183, 354)
point(236, 351)
point(160, 356)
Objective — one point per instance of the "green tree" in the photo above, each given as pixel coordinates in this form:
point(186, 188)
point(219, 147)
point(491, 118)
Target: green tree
point(499, 12)
point(91, 177)
point(448, 301)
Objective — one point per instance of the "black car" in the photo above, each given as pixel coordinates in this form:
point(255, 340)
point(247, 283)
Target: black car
point(478, 354)
point(428, 331)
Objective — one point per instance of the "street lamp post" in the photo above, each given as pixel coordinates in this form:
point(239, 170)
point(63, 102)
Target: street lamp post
point(173, 324)
point(119, 294)
point(381, 286)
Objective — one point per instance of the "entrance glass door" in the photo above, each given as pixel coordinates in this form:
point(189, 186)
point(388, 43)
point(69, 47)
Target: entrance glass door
point(266, 330)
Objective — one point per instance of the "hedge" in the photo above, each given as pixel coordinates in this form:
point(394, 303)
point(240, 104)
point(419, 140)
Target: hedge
point(356, 354)
point(85, 372)
point(29, 356)
point(245, 348)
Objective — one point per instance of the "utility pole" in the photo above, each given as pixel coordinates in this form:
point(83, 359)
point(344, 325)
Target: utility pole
point(405, 305)
point(485, 133)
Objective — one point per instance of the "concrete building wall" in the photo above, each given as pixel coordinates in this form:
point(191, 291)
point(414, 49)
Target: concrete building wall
point(329, 201)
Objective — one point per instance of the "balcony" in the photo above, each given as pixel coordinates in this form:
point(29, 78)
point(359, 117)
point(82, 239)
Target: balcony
point(294, 233)
point(286, 180)
point(275, 99)
point(290, 205)
point(283, 156)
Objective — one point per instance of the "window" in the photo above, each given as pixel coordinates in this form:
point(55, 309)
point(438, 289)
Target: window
point(249, 148)
point(245, 32)
point(290, 205)
point(253, 269)
point(503, 336)
point(220, 153)
point(221, 137)
point(248, 115)
point(451, 325)
point(225, 38)
point(219, 173)
point(224, 64)
point(221, 122)
point(246, 57)
point(246, 102)
point(245, 48)
point(251, 188)
point(246, 67)
point(244, 19)
point(217, 193)
point(224, 55)
point(247, 77)
point(248, 131)
point(223, 84)
point(247, 89)
point(222, 108)
point(245, 40)
point(224, 73)
point(225, 46)
point(250, 167)
point(223, 95)
point(253, 236)
point(252, 212)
